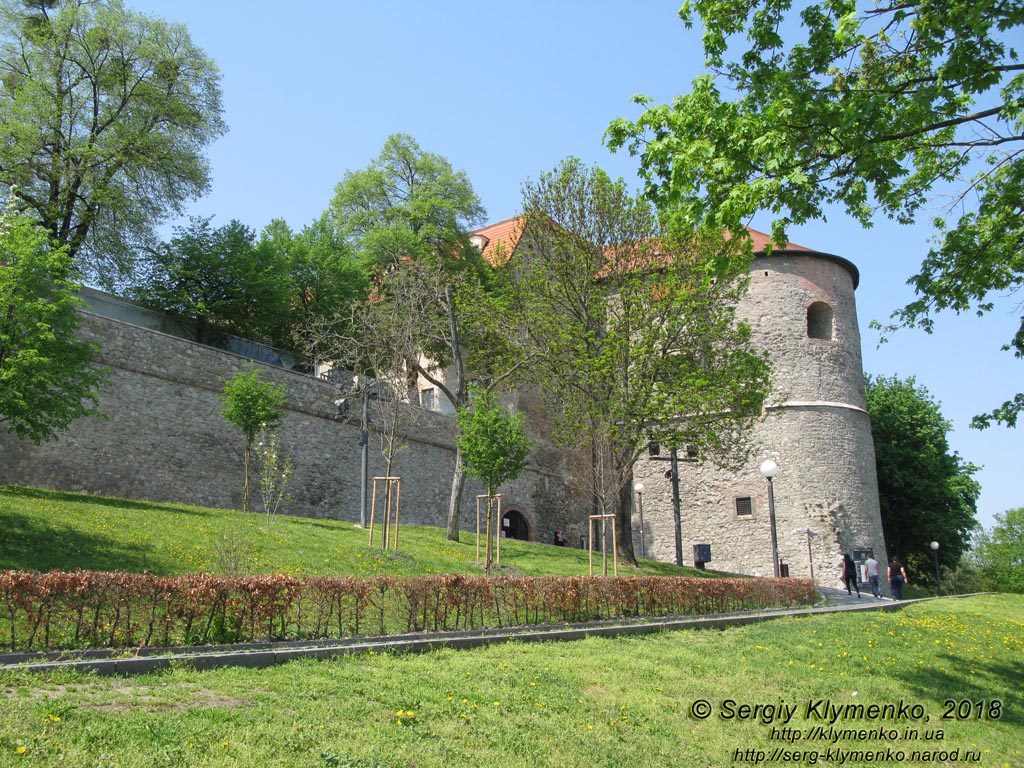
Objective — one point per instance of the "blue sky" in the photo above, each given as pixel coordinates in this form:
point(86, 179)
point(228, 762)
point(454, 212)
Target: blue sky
point(505, 91)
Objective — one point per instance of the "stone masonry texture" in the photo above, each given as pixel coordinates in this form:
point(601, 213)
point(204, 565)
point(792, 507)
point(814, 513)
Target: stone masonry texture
point(163, 439)
point(815, 427)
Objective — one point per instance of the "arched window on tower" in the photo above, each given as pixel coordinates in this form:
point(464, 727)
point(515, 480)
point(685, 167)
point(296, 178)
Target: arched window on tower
point(819, 321)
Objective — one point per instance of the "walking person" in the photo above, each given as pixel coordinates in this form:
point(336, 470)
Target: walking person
point(872, 567)
point(897, 578)
point(850, 575)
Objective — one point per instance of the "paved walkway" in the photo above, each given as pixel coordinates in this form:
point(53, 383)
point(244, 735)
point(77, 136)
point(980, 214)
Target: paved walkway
point(837, 596)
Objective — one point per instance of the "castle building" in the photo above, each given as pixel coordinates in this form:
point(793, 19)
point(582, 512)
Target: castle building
point(163, 439)
point(815, 427)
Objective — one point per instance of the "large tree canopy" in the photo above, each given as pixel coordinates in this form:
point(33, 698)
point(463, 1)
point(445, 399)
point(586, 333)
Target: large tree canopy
point(873, 107)
point(630, 333)
point(325, 277)
point(408, 217)
point(219, 277)
point(927, 492)
point(104, 114)
point(408, 204)
point(48, 377)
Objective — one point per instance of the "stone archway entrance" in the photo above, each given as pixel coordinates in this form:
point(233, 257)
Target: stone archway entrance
point(515, 525)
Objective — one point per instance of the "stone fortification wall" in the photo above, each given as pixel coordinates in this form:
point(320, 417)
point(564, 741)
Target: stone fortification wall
point(801, 309)
point(163, 439)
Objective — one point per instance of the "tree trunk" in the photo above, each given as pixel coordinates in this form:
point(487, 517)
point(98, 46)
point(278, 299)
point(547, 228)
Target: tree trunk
point(488, 549)
point(624, 524)
point(455, 503)
point(245, 483)
point(459, 400)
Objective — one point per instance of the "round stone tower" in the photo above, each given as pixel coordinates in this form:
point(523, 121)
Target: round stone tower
point(801, 309)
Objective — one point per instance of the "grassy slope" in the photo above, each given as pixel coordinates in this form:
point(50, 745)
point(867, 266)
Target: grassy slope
point(598, 702)
point(46, 530)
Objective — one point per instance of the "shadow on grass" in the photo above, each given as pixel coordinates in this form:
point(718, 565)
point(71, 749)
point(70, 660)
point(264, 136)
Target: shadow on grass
point(941, 685)
point(67, 497)
point(30, 545)
point(35, 543)
point(327, 524)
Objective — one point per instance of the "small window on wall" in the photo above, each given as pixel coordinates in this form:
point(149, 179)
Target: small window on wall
point(744, 506)
point(819, 321)
point(428, 399)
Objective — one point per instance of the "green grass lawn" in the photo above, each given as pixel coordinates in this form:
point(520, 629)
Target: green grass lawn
point(597, 702)
point(45, 530)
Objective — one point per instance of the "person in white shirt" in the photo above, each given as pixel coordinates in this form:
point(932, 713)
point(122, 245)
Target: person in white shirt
point(872, 565)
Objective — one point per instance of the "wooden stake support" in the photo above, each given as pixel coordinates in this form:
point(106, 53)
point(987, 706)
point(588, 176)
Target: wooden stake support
point(492, 501)
point(392, 502)
point(604, 550)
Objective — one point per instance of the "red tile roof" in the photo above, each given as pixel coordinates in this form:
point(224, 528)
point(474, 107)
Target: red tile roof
point(503, 237)
point(761, 240)
point(497, 239)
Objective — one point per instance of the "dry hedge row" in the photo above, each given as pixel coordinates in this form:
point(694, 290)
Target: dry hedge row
point(89, 609)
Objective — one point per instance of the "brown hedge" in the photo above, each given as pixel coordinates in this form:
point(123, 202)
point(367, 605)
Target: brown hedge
point(90, 609)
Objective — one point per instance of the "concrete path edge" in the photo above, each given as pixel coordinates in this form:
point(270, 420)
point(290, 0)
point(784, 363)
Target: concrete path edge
point(257, 655)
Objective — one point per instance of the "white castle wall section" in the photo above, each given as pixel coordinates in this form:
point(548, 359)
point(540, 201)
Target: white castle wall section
point(815, 427)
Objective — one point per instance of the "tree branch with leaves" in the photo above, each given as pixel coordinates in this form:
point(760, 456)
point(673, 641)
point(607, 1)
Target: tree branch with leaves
point(877, 110)
point(105, 114)
point(48, 376)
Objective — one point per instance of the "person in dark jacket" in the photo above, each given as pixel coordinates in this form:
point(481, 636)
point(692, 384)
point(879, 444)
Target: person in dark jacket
point(850, 575)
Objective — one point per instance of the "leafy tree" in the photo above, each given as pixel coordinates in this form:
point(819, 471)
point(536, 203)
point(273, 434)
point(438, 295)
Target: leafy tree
point(408, 216)
point(999, 553)
point(493, 447)
point(409, 204)
point(105, 113)
point(927, 492)
point(251, 405)
point(219, 277)
point(631, 332)
point(324, 276)
point(276, 468)
point(877, 109)
point(48, 377)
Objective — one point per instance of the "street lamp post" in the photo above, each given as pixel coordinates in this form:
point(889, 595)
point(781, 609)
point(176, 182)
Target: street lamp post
point(673, 474)
point(639, 488)
point(768, 470)
point(361, 389)
point(938, 583)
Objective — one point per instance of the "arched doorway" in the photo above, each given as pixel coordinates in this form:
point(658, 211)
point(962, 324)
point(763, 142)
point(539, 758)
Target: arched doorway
point(514, 525)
